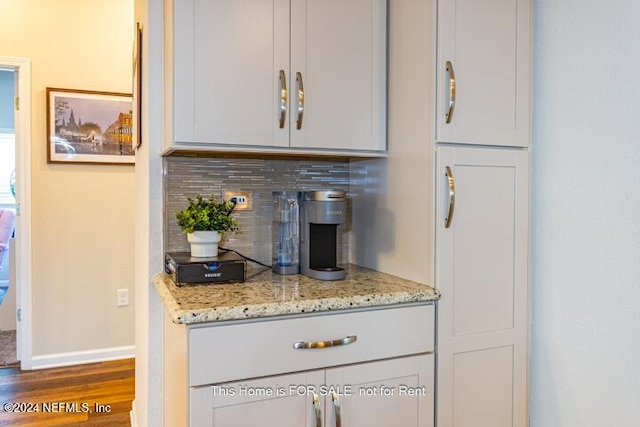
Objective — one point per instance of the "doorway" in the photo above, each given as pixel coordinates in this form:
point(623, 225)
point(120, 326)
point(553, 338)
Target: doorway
point(15, 218)
point(8, 345)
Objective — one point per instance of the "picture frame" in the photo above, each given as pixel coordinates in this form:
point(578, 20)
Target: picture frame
point(137, 87)
point(89, 127)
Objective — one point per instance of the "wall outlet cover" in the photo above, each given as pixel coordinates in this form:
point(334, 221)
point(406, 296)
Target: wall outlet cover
point(123, 297)
point(244, 199)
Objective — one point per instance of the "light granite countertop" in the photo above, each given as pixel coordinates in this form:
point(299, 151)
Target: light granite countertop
point(265, 293)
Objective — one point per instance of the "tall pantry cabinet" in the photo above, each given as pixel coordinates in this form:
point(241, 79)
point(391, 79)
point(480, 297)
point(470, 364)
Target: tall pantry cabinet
point(452, 204)
point(482, 211)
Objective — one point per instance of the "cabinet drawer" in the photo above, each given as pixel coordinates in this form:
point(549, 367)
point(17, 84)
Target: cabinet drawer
point(232, 352)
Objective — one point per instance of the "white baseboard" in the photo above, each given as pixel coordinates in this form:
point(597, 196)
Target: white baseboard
point(133, 415)
point(82, 357)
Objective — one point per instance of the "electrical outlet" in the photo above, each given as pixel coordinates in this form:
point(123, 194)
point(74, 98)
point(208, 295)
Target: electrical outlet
point(244, 199)
point(123, 297)
point(241, 200)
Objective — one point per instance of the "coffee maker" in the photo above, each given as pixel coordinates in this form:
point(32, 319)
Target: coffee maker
point(322, 212)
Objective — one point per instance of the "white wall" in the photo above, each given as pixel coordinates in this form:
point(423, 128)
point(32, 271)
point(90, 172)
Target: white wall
point(148, 219)
point(383, 191)
point(586, 214)
point(82, 215)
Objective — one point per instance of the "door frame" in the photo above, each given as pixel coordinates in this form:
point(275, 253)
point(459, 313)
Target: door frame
point(22, 67)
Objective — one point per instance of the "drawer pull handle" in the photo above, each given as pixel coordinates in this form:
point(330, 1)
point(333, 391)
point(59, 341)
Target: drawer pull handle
point(335, 400)
point(302, 345)
point(316, 409)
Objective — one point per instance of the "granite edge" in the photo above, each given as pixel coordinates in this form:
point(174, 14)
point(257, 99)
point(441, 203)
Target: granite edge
point(262, 310)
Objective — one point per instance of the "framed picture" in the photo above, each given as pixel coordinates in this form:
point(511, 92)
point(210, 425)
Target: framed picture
point(89, 127)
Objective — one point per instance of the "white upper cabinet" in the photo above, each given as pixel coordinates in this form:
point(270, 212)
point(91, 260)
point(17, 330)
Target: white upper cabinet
point(338, 49)
point(227, 57)
point(302, 74)
point(484, 72)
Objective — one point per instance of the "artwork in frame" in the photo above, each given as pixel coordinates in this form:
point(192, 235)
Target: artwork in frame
point(89, 127)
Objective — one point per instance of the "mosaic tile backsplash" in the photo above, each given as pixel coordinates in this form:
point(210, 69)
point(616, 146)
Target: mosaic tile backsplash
point(185, 177)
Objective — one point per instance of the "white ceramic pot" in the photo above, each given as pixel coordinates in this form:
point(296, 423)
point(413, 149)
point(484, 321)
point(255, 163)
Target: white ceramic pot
point(204, 243)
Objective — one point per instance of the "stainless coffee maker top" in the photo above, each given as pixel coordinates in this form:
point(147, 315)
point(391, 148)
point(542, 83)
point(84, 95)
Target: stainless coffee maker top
point(324, 196)
point(322, 212)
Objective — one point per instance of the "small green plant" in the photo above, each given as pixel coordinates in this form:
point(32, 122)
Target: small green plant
point(206, 215)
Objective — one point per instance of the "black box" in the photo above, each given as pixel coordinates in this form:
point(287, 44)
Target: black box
point(227, 267)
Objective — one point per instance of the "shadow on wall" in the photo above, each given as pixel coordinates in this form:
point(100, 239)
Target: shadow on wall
point(373, 225)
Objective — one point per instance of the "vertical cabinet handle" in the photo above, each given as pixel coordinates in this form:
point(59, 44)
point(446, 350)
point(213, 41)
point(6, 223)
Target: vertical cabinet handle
point(318, 412)
point(335, 400)
point(452, 91)
point(283, 99)
point(300, 100)
point(451, 196)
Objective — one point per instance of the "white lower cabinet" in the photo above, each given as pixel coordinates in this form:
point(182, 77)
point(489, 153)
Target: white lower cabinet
point(482, 236)
point(380, 373)
point(396, 392)
point(280, 401)
point(376, 394)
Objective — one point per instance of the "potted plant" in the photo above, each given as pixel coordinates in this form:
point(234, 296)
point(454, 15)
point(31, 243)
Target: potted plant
point(204, 221)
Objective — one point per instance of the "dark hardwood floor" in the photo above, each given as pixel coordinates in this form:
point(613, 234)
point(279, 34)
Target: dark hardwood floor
point(97, 394)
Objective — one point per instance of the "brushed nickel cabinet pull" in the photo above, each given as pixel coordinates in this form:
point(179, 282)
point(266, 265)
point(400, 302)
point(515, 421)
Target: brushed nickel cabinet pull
point(337, 409)
point(316, 409)
point(300, 100)
point(452, 197)
point(302, 345)
point(452, 91)
point(283, 99)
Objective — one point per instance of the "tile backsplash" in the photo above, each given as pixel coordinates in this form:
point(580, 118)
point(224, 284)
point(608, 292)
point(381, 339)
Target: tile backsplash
point(186, 176)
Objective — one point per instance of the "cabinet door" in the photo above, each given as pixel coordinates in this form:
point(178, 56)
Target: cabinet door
point(279, 401)
point(482, 273)
point(338, 49)
point(226, 71)
point(395, 392)
point(488, 44)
